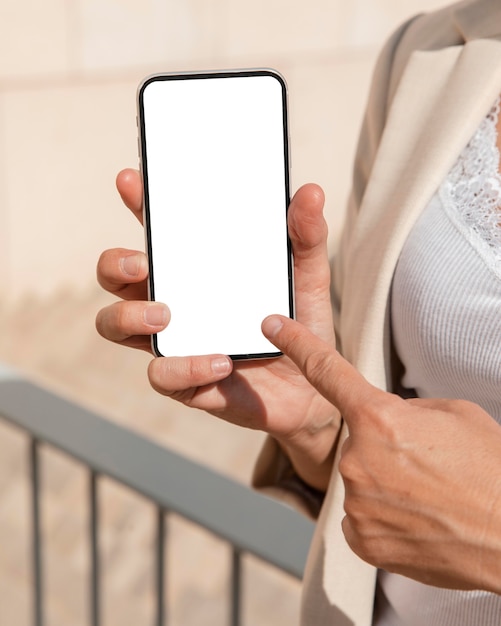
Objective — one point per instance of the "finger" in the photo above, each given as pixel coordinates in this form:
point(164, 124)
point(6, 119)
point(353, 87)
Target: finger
point(122, 320)
point(307, 226)
point(308, 233)
point(130, 188)
point(123, 272)
point(331, 374)
point(174, 376)
point(351, 536)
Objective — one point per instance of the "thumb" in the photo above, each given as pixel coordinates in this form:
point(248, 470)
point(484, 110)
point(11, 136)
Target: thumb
point(308, 235)
point(322, 365)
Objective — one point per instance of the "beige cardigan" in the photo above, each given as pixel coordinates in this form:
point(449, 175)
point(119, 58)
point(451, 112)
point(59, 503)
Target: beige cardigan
point(435, 80)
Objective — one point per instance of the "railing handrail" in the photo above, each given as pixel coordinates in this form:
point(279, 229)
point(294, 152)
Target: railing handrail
point(251, 521)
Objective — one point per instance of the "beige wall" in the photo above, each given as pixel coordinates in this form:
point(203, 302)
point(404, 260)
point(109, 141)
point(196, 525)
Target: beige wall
point(68, 74)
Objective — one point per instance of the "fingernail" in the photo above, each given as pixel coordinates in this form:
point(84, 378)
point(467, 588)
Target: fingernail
point(156, 315)
point(272, 325)
point(221, 365)
point(130, 264)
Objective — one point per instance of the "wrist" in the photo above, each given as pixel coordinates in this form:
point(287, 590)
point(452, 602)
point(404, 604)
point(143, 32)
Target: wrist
point(311, 451)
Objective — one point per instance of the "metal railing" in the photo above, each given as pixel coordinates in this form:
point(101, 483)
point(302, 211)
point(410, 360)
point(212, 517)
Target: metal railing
point(249, 521)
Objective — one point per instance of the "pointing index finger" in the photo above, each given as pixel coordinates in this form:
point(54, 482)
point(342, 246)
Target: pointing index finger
point(322, 365)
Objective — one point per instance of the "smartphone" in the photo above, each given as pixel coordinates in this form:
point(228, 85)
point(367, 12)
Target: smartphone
point(214, 156)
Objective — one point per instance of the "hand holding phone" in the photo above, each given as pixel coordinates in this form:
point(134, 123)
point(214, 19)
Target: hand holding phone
point(214, 160)
point(269, 395)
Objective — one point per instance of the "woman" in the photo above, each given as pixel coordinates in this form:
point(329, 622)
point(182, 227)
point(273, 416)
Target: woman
point(414, 490)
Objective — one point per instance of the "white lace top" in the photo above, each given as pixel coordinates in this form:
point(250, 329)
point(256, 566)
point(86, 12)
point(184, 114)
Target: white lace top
point(446, 323)
point(473, 188)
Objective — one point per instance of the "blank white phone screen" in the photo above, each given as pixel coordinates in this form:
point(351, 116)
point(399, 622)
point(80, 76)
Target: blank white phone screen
point(214, 159)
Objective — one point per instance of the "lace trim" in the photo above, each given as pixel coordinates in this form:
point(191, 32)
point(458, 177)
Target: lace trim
point(473, 185)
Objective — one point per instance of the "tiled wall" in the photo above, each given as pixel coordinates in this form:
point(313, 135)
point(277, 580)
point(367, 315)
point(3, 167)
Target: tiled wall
point(68, 75)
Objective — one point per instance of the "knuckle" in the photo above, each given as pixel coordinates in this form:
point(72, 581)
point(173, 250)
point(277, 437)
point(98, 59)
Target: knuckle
point(352, 511)
point(121, 318)
point(383, 416)
point(364, 543)
point(350, 469)
point(368, 552)
point(175, 373)
point(318, 365)
point(380, 410)
point(191, 369)
point(114, 321)
point(108, 260)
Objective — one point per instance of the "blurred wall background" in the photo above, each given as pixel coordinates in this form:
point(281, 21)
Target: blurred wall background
point(68, 75)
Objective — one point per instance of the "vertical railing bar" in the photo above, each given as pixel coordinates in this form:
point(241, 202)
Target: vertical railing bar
point(95, 570)
point(161, 615)
point(236, 587)
point(36, 534)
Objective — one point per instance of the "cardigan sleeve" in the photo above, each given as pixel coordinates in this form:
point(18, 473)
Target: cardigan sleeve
point(387, 73)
